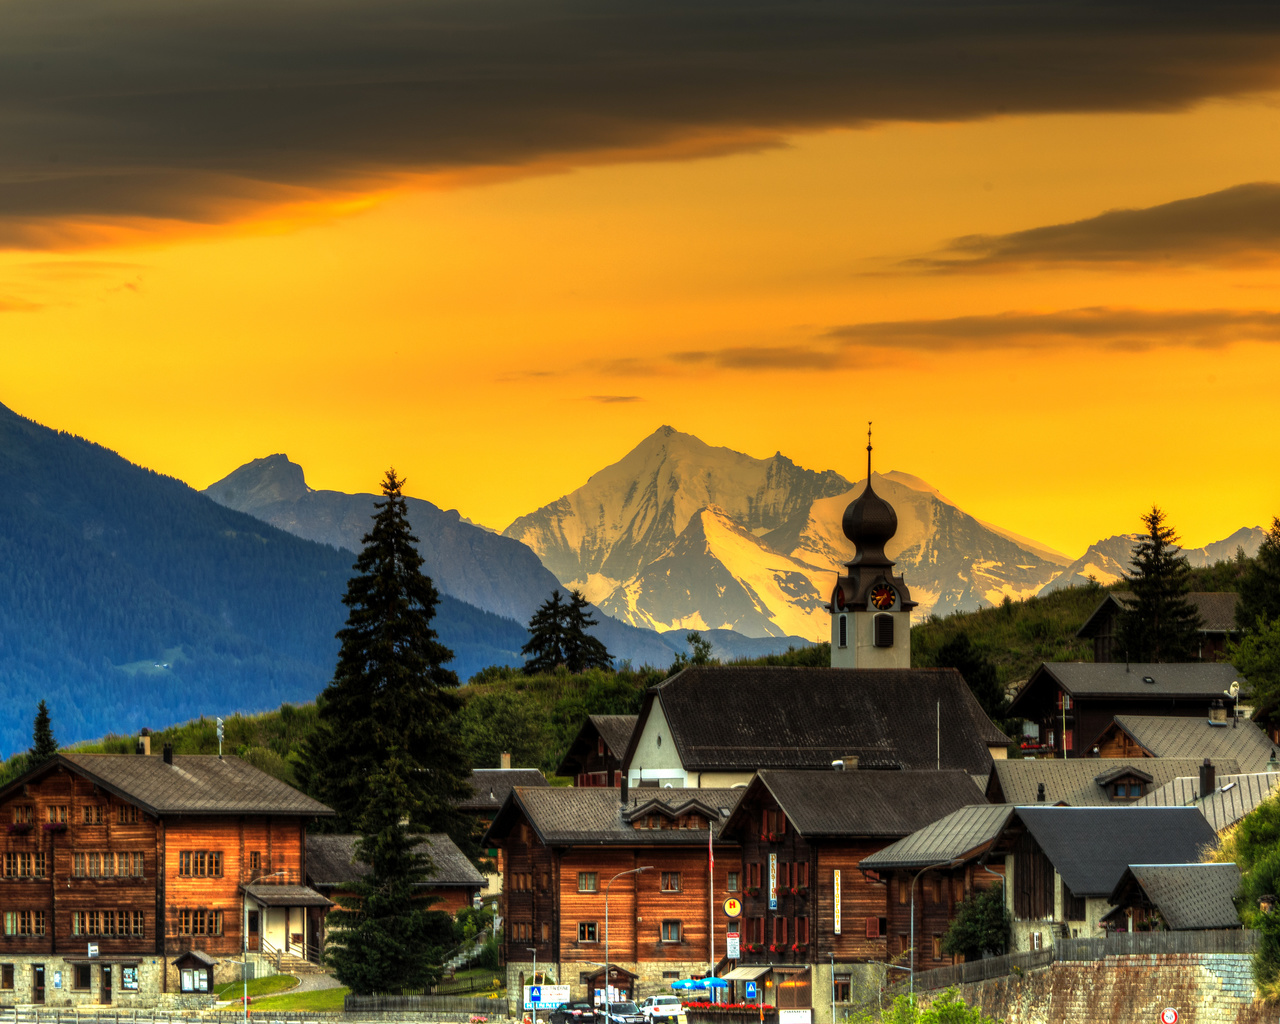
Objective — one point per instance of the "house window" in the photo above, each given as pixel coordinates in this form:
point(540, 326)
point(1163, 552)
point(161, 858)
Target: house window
point(127, 814)
point(546, 932)
point(670, 975)
point(24, 814)
point(671, 881)
point(670, 931)
point(1069, 738)
point(588, 881)
point(1064, 701)
point(731, 881)
point(199, 922)
point(93, 814)
point(83, 976)
point(802, 874)
point(57, 813)
point(775, 823)
point(937, 947)
point(844, 631)
point(24, 922)
point(902, 890)
point(546, 880)
point(883, 631)
point(6, 976)
point(1126, 791)
point(841, 988)
point(255, 861)
point(21, 865)
point(802, 930)
point(903, 944)
point(200, 864)
point(600, 745)
point(587, 931)
point(937, 890)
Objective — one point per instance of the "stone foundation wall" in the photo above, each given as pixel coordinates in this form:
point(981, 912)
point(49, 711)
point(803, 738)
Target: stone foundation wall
point(1205, 988)
point(651, 977)
point(60, 991)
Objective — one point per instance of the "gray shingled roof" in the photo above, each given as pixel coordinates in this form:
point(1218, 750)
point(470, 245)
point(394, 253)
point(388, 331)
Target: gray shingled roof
point(733, 718)
point(193, 784)
point(958, 835)
point(1188, 896)
point(1177, 736)
point(286, 896)
point(616, 730)
point(1074, 781)
point(1116, 679)
point(331, 861)
point(1217, 611)
point(1233, 797)
point(864, 803)
point(563, 815)
point(490, 787)
point(1090, 847)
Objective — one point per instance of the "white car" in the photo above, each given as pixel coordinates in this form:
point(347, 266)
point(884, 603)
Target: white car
point(657, 1008)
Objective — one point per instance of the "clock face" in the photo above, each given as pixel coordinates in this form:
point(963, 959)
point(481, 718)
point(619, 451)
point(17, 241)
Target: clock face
point(883, 596)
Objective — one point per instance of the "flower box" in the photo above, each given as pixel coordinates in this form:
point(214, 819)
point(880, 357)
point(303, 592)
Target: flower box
point(20, 828)
point(54, 826)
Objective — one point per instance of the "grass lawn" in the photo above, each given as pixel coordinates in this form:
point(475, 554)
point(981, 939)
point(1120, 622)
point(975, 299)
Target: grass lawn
point(257, 987)
point(324, 999)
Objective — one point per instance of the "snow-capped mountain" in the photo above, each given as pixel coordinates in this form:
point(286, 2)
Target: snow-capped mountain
point(1107, 560)
point(679, 534)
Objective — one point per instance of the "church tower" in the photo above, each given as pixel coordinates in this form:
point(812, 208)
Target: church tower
point(870, 606)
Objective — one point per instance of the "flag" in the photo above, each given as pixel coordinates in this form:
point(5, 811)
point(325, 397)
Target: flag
point(711, 855)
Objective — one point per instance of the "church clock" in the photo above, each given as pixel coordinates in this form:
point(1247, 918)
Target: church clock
point(883, 596)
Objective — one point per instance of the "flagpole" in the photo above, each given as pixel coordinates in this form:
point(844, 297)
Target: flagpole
point(711, 906)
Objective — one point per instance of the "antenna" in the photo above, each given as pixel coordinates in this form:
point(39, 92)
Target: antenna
point(868, 453)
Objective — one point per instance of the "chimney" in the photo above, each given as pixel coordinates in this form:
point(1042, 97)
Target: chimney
point(504, 761)
point(168, 753)
point(622, 789)
point(1040, 793)
point(144, 742)
point(1208, 778)
point(1217, 713)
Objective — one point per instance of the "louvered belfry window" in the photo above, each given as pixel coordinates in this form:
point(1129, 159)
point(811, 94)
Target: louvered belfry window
point(884, 630)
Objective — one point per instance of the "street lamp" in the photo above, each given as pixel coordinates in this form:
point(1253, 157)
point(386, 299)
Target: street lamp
point(931, 867)
point(608, 884)
point(244, 934)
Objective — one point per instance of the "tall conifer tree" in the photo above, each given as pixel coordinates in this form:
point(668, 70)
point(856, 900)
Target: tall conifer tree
point(1260, 584)
point(558, 636)
point(391, 696)
point(43, 745)
point(1160, 624)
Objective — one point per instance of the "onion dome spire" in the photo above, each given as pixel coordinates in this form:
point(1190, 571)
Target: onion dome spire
point(870, 522)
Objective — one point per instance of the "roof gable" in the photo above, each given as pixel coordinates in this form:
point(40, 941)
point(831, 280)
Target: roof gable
point(331, 861)
point(197, 784)
point(1090, 847)
point(1233, 797)
point(1194, 736)
point(615, 730)
point(1118, 680)
point(1188, 896)
point(490, 786)
point(744, 718)
point(1075, 780)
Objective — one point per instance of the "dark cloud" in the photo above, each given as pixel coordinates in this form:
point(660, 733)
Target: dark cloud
point(1100, 328)
point(782, 357)
point(199, 110)
point(1234, 225)
point(613, 399)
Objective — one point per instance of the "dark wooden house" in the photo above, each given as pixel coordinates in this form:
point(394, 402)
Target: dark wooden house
point(595, 756)
point(575, 899)
point(806, 901)
point(1216, 737)
point(1175, 897)
point(490, 788)
point(1216, 611)
point(114, 865)
point(1070, 703)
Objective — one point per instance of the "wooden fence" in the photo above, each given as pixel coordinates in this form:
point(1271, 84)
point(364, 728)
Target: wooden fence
point(1227, 940)
point(425, 1004)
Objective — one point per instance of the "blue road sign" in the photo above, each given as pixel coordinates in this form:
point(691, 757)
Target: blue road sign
point(751, 990)
point(535, 993)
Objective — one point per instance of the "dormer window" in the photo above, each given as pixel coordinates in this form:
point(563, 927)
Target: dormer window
point(1126, 791)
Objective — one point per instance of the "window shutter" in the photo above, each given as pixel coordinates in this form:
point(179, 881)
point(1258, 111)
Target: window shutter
point(873, 927)
point(884, 630)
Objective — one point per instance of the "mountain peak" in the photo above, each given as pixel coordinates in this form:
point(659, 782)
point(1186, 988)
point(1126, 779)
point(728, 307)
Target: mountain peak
point(260, 483)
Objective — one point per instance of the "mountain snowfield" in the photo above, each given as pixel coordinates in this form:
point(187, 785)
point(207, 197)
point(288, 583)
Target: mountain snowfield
point(681, 535)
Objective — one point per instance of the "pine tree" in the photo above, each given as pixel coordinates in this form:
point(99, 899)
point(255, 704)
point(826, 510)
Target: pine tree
point(1160, 624)
point(391, 696)
point(44, 746)
point(383, 936)
point(1260, 583)
point(582, 651)
point(558, 636)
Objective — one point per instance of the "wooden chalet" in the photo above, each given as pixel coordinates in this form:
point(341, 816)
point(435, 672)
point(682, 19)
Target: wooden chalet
point(453, 882)
point(1175, 897)
point(929, 873)
point(1068, 704)
point(595, 756)
point(115, 865)
point(1217, 624)
point(563, 846)
point(490, 788)
point(806, 902)
point(1215, 737)
point(716, 726)
point(1090, 781)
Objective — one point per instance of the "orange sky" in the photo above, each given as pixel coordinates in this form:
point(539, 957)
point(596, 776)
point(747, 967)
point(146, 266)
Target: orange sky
point(500, 335)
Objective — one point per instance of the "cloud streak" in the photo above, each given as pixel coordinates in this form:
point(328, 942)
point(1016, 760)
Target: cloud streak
point(1235, 225)
point(205, 111)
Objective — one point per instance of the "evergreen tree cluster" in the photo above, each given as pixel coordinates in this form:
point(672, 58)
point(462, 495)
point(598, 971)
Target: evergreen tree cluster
point(1160, 624)
point(558, 637)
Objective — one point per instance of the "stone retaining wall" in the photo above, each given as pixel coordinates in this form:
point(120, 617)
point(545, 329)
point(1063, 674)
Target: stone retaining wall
point(1205, 988)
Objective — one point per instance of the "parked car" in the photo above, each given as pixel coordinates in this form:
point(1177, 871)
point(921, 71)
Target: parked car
point(573, 1013)
point(624, 1013)
point(656, 1008)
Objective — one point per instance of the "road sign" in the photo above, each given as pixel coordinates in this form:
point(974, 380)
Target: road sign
point(750, 992)
point(1168, 1015)
point(733, 907)
point(545, 997)
point(734, 951)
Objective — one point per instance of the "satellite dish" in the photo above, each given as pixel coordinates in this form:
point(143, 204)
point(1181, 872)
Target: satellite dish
point(1233, 689)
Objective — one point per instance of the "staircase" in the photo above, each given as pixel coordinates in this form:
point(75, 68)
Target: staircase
point(288, 962)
